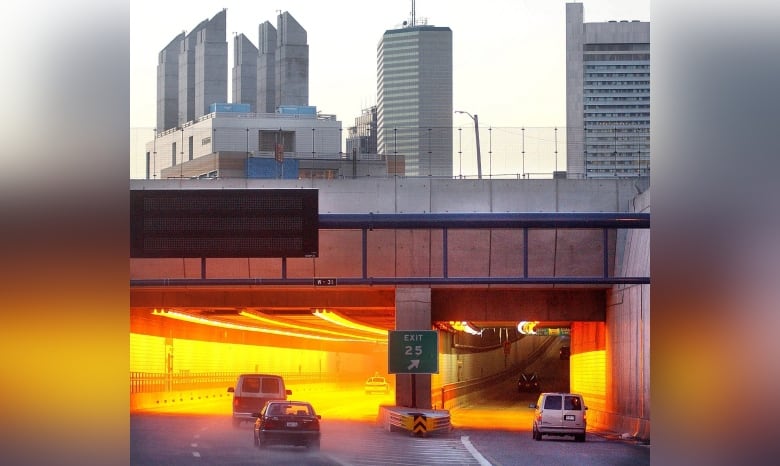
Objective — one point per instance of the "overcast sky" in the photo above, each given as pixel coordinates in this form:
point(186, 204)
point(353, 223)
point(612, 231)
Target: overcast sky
point(508, 55)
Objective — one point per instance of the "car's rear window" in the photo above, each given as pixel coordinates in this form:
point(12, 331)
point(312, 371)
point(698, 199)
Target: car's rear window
point(278, 409)
point(572, 403)
point(552, 402)
point(260, 385)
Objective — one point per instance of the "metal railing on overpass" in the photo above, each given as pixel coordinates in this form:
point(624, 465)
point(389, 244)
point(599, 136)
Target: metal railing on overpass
point(524, 221)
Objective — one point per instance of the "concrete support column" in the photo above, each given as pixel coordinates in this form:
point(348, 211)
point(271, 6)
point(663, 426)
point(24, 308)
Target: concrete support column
point(413, 312)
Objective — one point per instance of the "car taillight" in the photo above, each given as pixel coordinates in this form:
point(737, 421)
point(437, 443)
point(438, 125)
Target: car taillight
point(272, 423)
point(236, 401)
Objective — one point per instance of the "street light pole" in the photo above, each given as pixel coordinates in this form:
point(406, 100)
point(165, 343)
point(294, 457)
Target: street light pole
point(476, 133)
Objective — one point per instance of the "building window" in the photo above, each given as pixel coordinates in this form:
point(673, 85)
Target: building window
point(269, 139)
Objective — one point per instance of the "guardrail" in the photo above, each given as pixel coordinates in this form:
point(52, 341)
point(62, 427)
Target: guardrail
point(151, 382)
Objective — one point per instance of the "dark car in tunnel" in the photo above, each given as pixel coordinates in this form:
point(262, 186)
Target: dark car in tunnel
point(287, 423)
point(528, 383)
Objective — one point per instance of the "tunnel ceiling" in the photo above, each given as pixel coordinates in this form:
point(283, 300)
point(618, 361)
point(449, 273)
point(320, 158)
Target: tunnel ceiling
point(285, 308)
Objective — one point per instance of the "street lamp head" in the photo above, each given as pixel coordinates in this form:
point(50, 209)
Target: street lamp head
point(467, 113)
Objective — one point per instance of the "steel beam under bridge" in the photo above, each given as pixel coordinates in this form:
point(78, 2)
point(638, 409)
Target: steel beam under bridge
point(601, 250)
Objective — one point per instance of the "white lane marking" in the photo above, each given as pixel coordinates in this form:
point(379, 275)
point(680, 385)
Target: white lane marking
point(196, 454)
point(476, 454)
point(194, 445)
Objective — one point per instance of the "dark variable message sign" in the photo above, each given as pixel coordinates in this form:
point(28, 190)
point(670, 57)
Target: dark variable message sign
point(224, 223)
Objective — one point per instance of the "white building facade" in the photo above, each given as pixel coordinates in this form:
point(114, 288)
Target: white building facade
point(607, 97)
point(309, 136)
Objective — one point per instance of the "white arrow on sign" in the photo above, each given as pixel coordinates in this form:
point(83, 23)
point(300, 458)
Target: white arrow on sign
point(415, 364)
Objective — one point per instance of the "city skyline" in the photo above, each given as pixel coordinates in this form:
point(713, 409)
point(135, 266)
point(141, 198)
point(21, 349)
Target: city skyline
point(508, 60)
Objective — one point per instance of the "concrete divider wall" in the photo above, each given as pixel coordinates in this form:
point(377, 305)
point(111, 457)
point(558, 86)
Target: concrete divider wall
point(420, 195)
point(184, 398)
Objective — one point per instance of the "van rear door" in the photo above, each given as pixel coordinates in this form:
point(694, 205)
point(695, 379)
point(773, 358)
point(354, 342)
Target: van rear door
point(573, 416)
point(551, 412)
point(256, 390)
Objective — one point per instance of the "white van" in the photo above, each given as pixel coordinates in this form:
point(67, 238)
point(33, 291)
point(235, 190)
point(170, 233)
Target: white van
point(559, 414)
point(252, 391)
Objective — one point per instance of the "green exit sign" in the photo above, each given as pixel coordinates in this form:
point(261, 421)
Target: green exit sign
point(413, 352)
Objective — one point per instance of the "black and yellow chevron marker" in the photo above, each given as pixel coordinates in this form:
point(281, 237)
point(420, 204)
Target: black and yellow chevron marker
point(420, 425)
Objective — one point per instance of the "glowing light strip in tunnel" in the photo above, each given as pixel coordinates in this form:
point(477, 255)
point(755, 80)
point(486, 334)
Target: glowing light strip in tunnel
point(200, 320)
point(464, 326)
point(334, 318)
point(263, 318)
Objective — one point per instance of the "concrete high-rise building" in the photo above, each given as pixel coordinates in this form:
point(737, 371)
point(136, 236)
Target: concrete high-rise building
point(292, 62)
point(244, 72)
point(202, 76)
point(187, 75)
point(414, 97)
point(211, 64)
point(192, 71)
point(607, 97)
point(168, 85)
point(266, 68)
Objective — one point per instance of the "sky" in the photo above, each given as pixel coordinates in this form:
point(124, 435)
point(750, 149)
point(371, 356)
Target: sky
point(508, 55)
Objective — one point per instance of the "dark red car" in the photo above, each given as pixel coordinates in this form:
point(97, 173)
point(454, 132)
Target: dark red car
point(287, 423)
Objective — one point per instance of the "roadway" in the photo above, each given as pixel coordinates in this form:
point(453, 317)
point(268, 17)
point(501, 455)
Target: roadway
point(495, 431)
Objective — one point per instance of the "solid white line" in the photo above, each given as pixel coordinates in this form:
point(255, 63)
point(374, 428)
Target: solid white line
point(476, 454)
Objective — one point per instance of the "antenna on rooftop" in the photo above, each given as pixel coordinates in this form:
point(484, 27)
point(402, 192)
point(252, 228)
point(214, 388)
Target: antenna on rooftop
point(414, 21)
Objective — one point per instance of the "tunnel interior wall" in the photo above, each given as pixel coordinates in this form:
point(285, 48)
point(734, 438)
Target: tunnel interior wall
point(611, 367)
point(150, 354)
point(458, 364)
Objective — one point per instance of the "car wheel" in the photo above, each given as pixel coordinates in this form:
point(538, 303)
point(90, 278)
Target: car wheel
point(579, 437)
point(536, 434)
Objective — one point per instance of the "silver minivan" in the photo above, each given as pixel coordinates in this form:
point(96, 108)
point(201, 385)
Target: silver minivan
point(559, 414)
point(251, 393)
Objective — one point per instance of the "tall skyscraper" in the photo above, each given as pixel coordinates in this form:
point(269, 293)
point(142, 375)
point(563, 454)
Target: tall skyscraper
point(244, 72)
point(414, 97)
point(187, 75)
point(292, 62)
point(266, 68)
point(192, 70)
point(211, 64)
point(168, 85)
point(202, 63)
point(607, 97)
